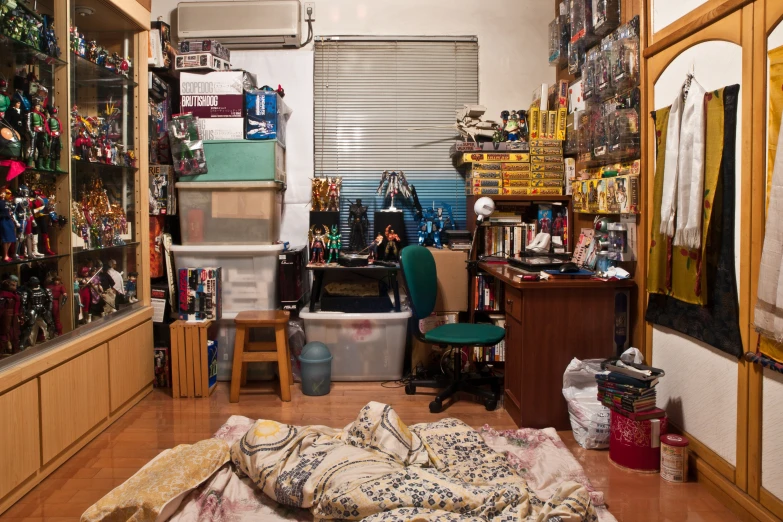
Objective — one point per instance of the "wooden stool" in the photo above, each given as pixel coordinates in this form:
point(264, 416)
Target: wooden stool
point(245, 351)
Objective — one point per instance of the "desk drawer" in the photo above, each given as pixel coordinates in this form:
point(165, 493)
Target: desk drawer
point(513, 303)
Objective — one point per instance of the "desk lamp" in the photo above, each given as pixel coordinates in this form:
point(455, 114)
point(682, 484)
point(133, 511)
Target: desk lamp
point(484, 207)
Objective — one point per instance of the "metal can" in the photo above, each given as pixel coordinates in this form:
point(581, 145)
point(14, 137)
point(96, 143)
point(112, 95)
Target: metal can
point(674, 458)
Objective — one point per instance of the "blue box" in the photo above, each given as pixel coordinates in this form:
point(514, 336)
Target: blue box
point(212, 347)
point(266, 114)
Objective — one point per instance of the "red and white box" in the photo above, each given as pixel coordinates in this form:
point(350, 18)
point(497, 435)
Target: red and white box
point(636, 445)
point(218, 94)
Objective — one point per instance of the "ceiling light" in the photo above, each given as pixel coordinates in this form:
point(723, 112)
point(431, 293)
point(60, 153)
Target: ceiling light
point(84, 11)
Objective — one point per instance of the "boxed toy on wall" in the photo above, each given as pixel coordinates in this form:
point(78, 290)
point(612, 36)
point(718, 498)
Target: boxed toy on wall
point(200, 294)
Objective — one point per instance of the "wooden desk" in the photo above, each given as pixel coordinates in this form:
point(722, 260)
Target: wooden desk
point(548, 323)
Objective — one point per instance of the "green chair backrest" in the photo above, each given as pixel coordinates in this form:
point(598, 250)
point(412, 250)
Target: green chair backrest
point(421, 277)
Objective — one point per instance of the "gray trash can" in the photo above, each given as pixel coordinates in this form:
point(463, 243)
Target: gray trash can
point(316, 362)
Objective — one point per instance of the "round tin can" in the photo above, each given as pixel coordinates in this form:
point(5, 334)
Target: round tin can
point(674, 458)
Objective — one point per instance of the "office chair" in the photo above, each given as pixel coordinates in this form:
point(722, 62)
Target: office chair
point(418, 267)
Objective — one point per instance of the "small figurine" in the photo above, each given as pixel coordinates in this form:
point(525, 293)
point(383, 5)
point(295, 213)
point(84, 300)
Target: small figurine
point(357, 215)
point(37, 149)
point(392, 251)
point(41, 214)
point(53, 128)
point(8, 225)
point(37, 311)
point(92, 51)
point(317, 245)
point(81, 46)
point(319, 189)
point(130, 287)
point(5, 101)
point(334, 243)
point(48, 37)
point(10, 143)
point(124, 67)
point(395, 184)
point(74, 40)
point(14, 117)
point(333, 193)
point(10, 315)
point(373, 249)
point(55, 285)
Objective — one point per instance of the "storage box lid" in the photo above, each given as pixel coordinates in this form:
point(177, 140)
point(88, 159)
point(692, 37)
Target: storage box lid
point(226, 185)
point(226, 249)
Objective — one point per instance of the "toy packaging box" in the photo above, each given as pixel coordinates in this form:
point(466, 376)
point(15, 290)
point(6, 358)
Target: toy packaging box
point(496, 157)
point(200, 294)
point(162, 362)
point(212, 350)
point(193, 46)
point(221, 128)
point(218, 94)
point(163, 196)
point(204, 61)
point(266, 116)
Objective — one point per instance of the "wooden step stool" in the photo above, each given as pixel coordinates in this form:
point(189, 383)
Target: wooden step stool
point(246, 351)
point(189, 361)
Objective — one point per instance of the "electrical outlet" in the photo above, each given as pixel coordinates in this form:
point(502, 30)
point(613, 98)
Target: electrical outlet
point(311, 7)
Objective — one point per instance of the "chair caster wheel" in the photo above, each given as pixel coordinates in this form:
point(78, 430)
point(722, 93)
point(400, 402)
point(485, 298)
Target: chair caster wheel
point(489, 404)
point(410, 389)
point(436, 406)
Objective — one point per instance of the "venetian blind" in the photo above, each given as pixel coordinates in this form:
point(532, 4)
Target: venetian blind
point(390, 105)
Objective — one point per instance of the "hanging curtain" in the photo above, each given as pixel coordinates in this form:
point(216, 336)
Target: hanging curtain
point(679, 280)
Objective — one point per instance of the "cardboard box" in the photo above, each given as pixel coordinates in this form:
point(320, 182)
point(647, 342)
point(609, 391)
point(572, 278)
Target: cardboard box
point(201, 61)
point(496, 157)
point(516, 175)
point(222, 82)
point(546, 191)
point(483, 191)
point(265, 116)
point(515, 167)
point(538, 183)
point(516, 191)
point(546, 151)
point(221, 128)
point(476, 173)
point(163, 196)
point(212, 47)
point(547, 167)
point(484, 182)
point(199, 294)
point(546, 159)
point(546, 143)
point(516, 183)
point(212, 105)
point(452, 280)
point(547, 175)
point(486, 166)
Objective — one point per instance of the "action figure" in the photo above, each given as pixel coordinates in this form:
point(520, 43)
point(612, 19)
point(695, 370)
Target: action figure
point(53, 129)
point(357, 215)
point(396, 184)
point(48, 37)
point(37, 311)
point(14, 117)
point(317, 245)
point(10, 315)
point(333, 194)
point(130, 287)
point(37, 146)
point(8, 225)
point(334, 243)
point(5, 101)
point(373, 248)
point(26, 224)
point(319, 191)
point(511, 127)
point(42, 215)
point(392, 251)
point(59, 296)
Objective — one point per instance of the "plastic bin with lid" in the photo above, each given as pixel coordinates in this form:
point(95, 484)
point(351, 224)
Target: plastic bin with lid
point(236, 212)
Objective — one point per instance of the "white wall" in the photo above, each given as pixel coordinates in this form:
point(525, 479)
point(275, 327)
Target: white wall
point(664, 12)
point(699, 390)
point(513, 51)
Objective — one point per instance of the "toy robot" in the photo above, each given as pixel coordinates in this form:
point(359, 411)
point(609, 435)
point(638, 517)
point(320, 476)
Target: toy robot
point(317, 245)
point(53, 129)
point(392, 251)
point(59, 297)
point(333, 193)
point(10, 315)
point(357, 215)
point(37, 139)
point(37, 310)
point(395, 184)
point(334, 243)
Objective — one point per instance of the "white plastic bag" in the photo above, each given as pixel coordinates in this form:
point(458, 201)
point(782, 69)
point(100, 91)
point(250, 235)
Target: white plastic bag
point(589, 418)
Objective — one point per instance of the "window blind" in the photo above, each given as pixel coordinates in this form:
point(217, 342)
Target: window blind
point(390, 105)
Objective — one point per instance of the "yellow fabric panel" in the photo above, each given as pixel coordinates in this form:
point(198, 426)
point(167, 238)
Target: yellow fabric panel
point(657, 271)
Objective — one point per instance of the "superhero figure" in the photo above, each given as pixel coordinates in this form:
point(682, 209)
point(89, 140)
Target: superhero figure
point(37, 310)
point(41, 214)
point(10, 314)
point(59, 296)
point(392, 250)
point(317, 242)
point(334, 243)
point(37, 139)
point(53, 131)
point(357, 215)
point(8, 225)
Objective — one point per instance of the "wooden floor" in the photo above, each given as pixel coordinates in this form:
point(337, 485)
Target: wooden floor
point(159, 422)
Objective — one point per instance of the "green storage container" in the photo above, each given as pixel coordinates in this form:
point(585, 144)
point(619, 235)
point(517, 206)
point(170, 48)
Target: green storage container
point(242, 160)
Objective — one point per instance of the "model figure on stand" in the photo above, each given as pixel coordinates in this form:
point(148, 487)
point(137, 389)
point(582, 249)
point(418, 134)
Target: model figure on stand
point(357, 215)
point(395, 184)
point(373, 249)
point(53, 130)
point(10, 315)
point(130, 287)
point(37, 149)
point(37, 312)
point(319, 191)
point(317, 245)
point(42, 216)
point(334, 243)
point(24, 218)
point(333, 193)
point(8, 225)
point(392, 251)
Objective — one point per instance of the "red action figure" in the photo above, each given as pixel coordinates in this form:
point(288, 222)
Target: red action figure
point(55, 285)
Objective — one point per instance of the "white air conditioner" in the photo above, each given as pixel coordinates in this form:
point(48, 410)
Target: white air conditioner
point(256, 24)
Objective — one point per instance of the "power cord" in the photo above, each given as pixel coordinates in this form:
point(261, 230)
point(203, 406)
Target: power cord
point(309, 27)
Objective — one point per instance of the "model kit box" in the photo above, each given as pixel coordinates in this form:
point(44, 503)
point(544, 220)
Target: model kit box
point(547, 167)
point(162, 367)
point(484, 191)
point(516, 191)
point(496, 157)
point(486, 166)
point(515, 167)
point(199, 294)
point(460, 147)
point(223, 82)
point(547, 159)
point(212, 105)
point(221, 129)
point(546, 191)
point(546, 143)
point(474, 173)
point(539, 183)
point(201, 61)
point(547, 175)
point(204, 46)
point(546, 151)
point(163, 196)
point(484, 182)
point(266, 116)
point(516, 175)
point(516, 183)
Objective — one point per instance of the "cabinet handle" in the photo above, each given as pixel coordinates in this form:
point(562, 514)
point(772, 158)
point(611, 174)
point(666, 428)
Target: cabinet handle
point(508, 301)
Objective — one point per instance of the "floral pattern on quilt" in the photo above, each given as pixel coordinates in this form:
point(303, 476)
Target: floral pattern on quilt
point(377, 468)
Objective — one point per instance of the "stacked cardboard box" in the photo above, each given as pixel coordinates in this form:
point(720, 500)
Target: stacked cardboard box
point(494, 173)
point(217, 99)
point(547, 167)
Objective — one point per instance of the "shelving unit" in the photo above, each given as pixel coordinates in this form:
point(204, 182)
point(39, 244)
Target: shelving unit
point(78, 383)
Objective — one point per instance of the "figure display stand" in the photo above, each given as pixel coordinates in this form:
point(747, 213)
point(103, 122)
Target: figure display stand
point(357, 216)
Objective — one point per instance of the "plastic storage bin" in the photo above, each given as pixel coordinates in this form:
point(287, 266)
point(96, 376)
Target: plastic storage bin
point(224, 332)
point(365, 347)
point(237, 212)
point(242, 160)
point(249, 273)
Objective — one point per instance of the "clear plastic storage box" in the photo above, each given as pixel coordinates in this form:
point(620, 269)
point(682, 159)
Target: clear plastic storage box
point(237, 212)
point(249, 272)
point(365, 347)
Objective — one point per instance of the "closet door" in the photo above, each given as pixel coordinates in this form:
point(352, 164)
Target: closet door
point(702, 388)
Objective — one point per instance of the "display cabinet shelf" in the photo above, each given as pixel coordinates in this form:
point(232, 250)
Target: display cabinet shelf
point(6, 264)
point(16, 53)
point(81, 251)
point(84, 167)
point(90, 73)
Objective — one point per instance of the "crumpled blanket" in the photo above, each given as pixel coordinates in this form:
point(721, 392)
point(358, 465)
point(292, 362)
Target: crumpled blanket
point(377, 469)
